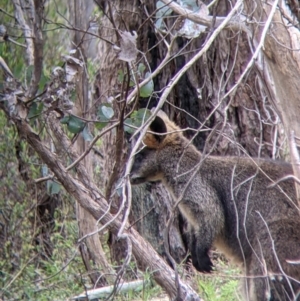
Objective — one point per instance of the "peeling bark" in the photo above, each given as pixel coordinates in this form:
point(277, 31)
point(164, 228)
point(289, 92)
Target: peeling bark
point(282, 72)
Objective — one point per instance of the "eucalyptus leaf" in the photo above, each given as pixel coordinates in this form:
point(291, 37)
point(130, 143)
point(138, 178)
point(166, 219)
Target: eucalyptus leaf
point(137, 118)
point(101, 115)
point(159, 23)
point(147, 89)
point(162, 10)
point(141, 68)
point(108, 112)
point(100, 125)
point(65, 119)
point(143, 114)
point(86, 134)
point(35, 110)
point(127, 128)
point(75, 125)
point(190, 29)
point(105, 112)
point(53, 187)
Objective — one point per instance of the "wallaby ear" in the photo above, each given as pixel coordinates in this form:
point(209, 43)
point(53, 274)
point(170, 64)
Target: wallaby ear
point(158, 126)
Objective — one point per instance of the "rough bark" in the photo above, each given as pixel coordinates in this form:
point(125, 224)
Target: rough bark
point(283, 70)
point(130, 16)
point(239, 122)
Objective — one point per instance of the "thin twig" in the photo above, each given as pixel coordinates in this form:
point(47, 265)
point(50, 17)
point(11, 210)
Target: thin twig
point(188, 65)
point(258, 48)
point(91, 146)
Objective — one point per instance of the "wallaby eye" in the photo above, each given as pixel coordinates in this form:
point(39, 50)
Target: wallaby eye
point(138, 159)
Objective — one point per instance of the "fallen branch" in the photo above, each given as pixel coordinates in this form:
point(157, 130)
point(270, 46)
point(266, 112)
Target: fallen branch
point(104, 292)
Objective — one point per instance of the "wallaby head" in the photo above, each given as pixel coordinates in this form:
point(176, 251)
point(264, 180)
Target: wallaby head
point(145, 167)
point(170, 157)
point(147, 162)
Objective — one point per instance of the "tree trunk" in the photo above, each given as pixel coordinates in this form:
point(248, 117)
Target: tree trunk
point(232, 125)
point(91, 248)
point(282, 73)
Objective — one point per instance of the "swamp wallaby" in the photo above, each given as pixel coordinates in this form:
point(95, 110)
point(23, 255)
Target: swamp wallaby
point(232, 203)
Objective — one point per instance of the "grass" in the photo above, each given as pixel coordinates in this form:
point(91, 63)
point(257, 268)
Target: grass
point(221, 285)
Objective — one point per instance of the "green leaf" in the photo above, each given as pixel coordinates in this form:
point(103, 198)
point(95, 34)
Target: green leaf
point(127, 128)
point(105, 112)
point(159, 23)
point(137, 118)
point(141, 68)
point(108, 112)
point(65, 119)
point(86, 134)
point(55, 188)
point(134, 115)
point(75, 125)
point(35, 110)
point(100, 125)
point(143, 114)
point(147, 89)
point(52, 187)
point(162, 10)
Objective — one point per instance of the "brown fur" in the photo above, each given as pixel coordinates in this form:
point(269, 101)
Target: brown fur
point(229, 203)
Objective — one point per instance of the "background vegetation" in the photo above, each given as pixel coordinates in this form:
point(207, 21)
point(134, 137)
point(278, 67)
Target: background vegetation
point(80, 77)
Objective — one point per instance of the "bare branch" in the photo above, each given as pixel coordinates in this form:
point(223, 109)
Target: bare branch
point(182, 71)
point(208, 20)
point(258, 49)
